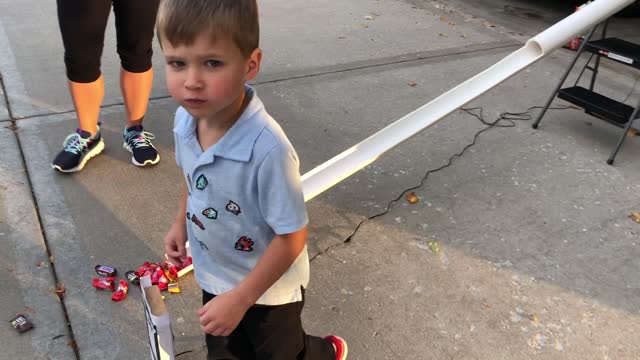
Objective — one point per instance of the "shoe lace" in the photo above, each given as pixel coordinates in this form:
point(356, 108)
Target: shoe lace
point(74, 143)
point(138, 139)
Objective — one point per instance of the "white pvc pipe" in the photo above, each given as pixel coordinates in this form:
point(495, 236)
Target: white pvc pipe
point(364, 153)
point(577, 23)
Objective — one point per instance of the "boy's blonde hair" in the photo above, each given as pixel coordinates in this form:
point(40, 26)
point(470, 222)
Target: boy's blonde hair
point(181, 21)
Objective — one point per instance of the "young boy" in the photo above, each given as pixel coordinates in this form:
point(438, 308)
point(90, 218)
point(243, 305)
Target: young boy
point(243, 209)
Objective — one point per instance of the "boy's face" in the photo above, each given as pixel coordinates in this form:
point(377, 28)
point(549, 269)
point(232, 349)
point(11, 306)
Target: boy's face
point(207, 78)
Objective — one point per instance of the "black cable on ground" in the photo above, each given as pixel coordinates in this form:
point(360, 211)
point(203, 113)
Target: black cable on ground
point(504, 120)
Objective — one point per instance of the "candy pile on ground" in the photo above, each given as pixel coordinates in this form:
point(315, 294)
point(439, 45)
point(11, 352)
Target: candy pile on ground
point(165, 275)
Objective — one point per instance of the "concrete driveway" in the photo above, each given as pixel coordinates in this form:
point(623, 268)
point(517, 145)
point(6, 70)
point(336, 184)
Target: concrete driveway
point(520, 249)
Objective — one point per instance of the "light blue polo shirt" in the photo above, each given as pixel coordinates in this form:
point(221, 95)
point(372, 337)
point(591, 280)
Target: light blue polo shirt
point(243, 191)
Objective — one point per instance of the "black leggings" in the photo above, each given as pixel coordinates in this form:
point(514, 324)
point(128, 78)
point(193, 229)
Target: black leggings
point(83, 23)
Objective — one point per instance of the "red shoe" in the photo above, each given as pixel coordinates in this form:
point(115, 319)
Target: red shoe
point(340, 346)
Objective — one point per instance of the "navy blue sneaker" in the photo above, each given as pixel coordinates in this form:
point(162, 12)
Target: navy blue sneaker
point(138, 142)
point(79, 147)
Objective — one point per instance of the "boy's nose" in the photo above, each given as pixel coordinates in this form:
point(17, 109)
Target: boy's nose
point(193, 80)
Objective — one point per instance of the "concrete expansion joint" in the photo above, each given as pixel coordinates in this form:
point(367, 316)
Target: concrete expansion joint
point(60, 288)
point(408, 59)
point(6, 97)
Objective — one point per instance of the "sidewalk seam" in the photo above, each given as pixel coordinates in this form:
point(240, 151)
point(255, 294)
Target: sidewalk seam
point(72, 342)
point(6, 98)
point(403, 59)
point(416, 57)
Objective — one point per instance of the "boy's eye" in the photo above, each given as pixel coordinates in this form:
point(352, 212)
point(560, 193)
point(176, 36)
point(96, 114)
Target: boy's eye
point(176, 63)
point(213, 63)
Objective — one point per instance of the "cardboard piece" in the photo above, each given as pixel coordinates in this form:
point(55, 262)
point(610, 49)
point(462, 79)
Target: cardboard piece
point(158, 321)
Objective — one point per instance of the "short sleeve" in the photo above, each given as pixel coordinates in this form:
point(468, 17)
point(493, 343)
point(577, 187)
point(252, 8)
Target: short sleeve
point(280, 191)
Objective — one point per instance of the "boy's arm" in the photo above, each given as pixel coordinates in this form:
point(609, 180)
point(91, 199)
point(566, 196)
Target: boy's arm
point(176, 238)
point(276, 260)
point(220, 316)
point(182, 205)
point(281, 202)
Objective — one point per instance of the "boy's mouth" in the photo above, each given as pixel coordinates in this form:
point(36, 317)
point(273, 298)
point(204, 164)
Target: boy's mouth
point(194, 102)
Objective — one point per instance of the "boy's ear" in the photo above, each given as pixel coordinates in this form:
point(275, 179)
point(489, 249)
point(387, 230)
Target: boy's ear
point(253, 63)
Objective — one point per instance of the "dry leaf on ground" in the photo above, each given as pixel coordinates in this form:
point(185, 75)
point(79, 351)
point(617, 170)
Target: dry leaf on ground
point(60, 291)
point(411, 197)
point(434, 246)
point(72, 344)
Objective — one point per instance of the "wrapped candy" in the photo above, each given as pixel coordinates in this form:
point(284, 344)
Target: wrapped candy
point(156, 273)
point(163, 283)
point(186, 266)
point(143, 269)
point(21, 323)
point(132, 277)
point(107, 271)
point(105, 283)
point(170, 270)
point(121, 293)
point(174, 288)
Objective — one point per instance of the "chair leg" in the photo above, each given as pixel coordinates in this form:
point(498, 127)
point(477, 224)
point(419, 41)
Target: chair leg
point(633, 117)
point(597, 65)
point(563, 79)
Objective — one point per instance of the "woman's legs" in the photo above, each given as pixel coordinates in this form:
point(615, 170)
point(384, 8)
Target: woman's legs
point(82, 25)
point(135, 22)
point(87, 98)
point(136, 89)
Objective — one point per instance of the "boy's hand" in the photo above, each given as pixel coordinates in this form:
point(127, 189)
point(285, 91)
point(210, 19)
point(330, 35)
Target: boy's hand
point(221, 315)
point(174, 242)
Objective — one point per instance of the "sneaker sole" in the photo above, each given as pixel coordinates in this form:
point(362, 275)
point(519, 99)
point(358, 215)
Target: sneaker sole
point(92, 153)
point(147, 162)
point(346, 349)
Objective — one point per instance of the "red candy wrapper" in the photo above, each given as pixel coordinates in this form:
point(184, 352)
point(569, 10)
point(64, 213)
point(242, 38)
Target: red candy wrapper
point(186, 262)
point(170, 270)
point(186, 266)
point(163, 281)
point(121, 293)
point(163, 285)
point(143, 268)
point(156, 273)
point(105, 283)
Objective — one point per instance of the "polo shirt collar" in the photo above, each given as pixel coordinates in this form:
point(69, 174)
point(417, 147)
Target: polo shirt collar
point(237, 144)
